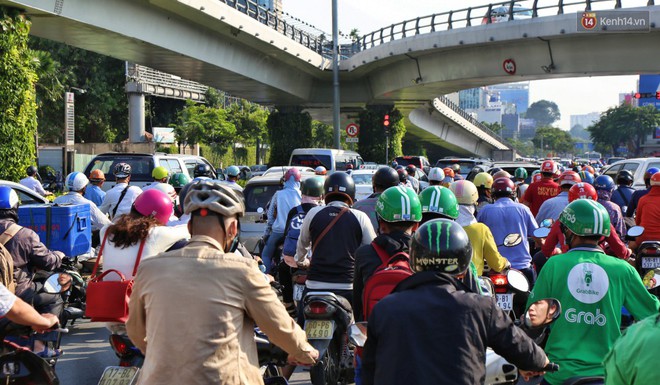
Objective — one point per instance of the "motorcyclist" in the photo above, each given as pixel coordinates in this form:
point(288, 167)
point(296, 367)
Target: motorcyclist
point(484, 182)
point(202, 170)
point(551, 208)
point(433, 314)
point(403, 177)
point(17, 311)
point(449, 177)
point(179, 180)
point(33, 183)
point(537, 193)
point(412, 177)
point(592, 287)
point(436, 176)
point(77, 183)
point(320, 170)
point(604, 186)
point(623, 193)
point(648, 212)
point(160, 175)
point(384, 178)
point(119, 199)
point(349, 168)
point(456, 168)
point(521, 186)
point(233, 174)
point(586, 176)
point(94, 191)
point(638, 194)
point(504, 217)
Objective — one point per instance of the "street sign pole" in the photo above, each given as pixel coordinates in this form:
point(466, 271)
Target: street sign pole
point(335, 75)
point(387, 146)
point(69, 128)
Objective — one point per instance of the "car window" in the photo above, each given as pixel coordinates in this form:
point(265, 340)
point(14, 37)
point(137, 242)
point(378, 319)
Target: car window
point(632, 167)
point(174, 166)
point(258, 196)
point(362, 178)
point(612, 171)
point(466, 166)
point(312, 161)
point(190, 165)
point(25, 198)
point(141, 166)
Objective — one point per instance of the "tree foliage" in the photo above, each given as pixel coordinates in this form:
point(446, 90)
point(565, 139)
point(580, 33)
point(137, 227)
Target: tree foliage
point(579, 132)
point(373, 137)
point(198, 123)
point(322, 135)
point(554, 139)
point(523, 148)
point(18, 121)
point(288, 128)
point(496, 127)
point(544, 112)
point(624, 125)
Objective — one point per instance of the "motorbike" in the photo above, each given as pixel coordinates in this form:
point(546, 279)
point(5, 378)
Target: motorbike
point(130, 358)
point(72, 288)
point(271, 359)
point(511, 292)
point(327, 319)
point(647, 261)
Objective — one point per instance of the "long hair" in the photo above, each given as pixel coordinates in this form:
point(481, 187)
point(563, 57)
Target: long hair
point(131, 228)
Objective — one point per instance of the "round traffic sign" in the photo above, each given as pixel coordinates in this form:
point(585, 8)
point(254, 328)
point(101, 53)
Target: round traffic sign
point(509, 66)
point(352, 129)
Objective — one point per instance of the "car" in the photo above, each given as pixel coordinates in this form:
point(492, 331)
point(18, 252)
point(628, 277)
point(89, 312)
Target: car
point(143, 164)
point(332, 159)
point(280, 170)
point(258, 170)
point(26, 195)
point(419, 161)
point(362, 179)
point(500, 14)
point(467, 164)
point(637, 166)
point(615, 159)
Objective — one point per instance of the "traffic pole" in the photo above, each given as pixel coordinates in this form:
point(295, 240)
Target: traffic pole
point(335, 75)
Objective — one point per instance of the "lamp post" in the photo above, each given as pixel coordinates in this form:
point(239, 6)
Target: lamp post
point(335, 75)
point(69, 124)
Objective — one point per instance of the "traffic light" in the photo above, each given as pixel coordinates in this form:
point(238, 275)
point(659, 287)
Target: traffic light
point(386, 121)
point(647, 95)
point(657, 95)
point(637, 95)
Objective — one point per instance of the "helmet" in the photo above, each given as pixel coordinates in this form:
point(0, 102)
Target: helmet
point(586, 177)
point(436, 174)
point(604, 182)
point(590, 169)
point(122, 170)
point(569, 177)
point(439, 200)
point(399, 204)
point(182, 196)
point(537, 177)
point(483, 179)
point(179, 180)
point(292, 172)
point(549, 167)
point(402, 173)
point(202, 169)
point(456, 168)
point(96, 175)
point(320, 170)
point(8, 198)
point(655, 179)
point(159, 173)
point(385, 177)
point(465, 191)
point(155, 203)
point(521, 173)
point(586, 217)
point(448, 172)
point(493, 170)
point(220, 198)
point(395, 164)
point(582, 191)
point(650, 172)
point(503, 185)
point(349, 166)
point(233, 171)
point(440, 245)
point(76, 181)
point(411, 169)
point(31, 170)
point(535, 172)
point(313, 187)
point(501, 174)
point(339, 183)
point(166, 188)
point(624, 177)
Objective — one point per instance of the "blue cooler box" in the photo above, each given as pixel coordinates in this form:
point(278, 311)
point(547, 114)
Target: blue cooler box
point(66, 228)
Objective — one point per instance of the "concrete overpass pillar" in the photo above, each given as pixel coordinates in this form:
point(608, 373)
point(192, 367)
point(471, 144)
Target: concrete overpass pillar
point(136, 127)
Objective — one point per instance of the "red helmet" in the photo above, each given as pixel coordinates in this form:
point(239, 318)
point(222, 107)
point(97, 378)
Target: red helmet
point(655, 179)
point(155, 203)
point(503, 185)
point(569, 177)
point(537, 177)
point(590, 169)
point(549, 166)
point(292, 172)
point(349, 166)
point(582, 191)
point(448, 172)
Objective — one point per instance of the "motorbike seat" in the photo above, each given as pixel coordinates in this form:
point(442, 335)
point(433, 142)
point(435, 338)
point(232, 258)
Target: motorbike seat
point(74, 312)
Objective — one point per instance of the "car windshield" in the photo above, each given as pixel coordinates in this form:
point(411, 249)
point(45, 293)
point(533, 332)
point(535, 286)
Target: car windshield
point(466, 165)
point(258, 195)
point(404, 161)
point(141, 166)
point(362, 178)
point(259, 167)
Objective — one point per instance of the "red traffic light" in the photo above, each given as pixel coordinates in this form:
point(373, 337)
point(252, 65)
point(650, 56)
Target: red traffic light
point(637, 95)
point(386, 120)
point(657, 94)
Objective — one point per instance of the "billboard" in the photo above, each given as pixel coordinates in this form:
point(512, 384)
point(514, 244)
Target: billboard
point(163, 134)
point(649, 84)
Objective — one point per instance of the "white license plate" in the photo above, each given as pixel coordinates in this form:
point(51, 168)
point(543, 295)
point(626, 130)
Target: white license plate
point(298, 292)
point(650, 262)
point(319, 330)
point(505, 301)
point(119, 375)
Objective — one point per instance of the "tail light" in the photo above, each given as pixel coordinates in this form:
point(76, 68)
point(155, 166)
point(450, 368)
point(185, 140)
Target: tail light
point(119, 344)
point(319, 308)
point(649, 251)
point(300, 279)
point(500, 282)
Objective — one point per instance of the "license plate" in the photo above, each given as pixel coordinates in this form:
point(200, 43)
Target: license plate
point(298, 292)
point(650, 262)
point(505, 301)
point(119, 375)
point(319, 330)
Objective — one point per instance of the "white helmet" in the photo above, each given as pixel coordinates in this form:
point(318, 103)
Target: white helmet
point(436, 174)
point(166, 188)
point(320, 170)
point(76, 181)
point(465, 191)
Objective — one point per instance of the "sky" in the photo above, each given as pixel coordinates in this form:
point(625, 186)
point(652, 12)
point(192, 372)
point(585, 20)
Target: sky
point(573, 96)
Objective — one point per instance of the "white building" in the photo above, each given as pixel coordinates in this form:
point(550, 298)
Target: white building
point(585, 120)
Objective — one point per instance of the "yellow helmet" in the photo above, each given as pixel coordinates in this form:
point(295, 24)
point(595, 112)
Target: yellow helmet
point(483, 179)
point(159, 173)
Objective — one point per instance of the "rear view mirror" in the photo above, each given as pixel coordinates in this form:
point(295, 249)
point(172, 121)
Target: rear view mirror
point(512, 240)
point(260, 210)
point(517, 280)
point(58, 283)
point(635, 231)
point(357, 334)
point(542, 232)
point(542, 312)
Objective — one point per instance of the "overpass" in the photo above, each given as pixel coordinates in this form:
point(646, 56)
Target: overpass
point(408, 64)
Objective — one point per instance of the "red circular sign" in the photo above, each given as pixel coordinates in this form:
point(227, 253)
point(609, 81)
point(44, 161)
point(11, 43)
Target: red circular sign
point(352, 130)
point(509, 66)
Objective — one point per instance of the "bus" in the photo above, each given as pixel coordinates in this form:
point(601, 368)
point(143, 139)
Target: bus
point(593, 156)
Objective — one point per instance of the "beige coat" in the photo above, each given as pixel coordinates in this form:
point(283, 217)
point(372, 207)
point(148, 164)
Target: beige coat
point(197, 308)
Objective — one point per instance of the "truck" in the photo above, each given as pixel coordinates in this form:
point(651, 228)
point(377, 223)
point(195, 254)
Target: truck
point(504, 155)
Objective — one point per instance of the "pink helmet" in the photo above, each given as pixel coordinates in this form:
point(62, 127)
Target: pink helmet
point(154, 203)
point(292, 172)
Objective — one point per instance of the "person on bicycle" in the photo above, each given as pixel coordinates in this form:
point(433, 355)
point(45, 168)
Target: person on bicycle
point(384, 178)
point(592, 287)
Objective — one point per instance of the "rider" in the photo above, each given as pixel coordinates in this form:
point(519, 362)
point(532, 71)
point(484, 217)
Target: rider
point(456, 168)
point(623, 193)
point(33, 183)
point(648, 212)
point(449, 177)
point(591, 287)
point(436, 175)
point(159, 175)
point(505, 217)
point(521, 186)
point(77, 183)
point(586, 176)
point(638, 194)
point(202, 170)
point(551, 208)
point(484, 182)
point(604, 186)
point(179, 180)
point(233, 174)
point(17, 311)
point(403, 177)
point(432, 314)
point(384, 178)
point(537, 193)
point(94, 192)
point(412, 177)
point(119, 199)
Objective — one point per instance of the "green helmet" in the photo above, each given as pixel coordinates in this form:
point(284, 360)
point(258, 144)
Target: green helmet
point(179, 180)
point(440, 245)
point(521, 173)
point(585, 217)
point(313, 187)
point(439, 200)
point(399, 204)
point(159, 173)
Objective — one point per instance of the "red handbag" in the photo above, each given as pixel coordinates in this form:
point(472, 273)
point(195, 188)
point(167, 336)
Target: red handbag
point(107, 301)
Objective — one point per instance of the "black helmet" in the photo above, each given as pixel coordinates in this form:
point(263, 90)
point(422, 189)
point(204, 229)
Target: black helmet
point(385, 177)
point(440, 245)
point(122, 170)
point(339, 183)
point(202, 169)
point(493, 170)
point(624, 177)
point(31, 171)
point(411, 169)
point(312, 187)
point(402, 174)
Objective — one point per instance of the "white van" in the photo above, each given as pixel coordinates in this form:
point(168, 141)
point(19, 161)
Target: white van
point(333, 160)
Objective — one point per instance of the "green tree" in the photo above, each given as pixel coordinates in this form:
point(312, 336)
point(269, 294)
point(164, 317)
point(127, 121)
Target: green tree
point(251, 121)
point(579, 132)
point(544, 112)
point(322, 135)
point(624, 125)
point(554, 139)
point(372, 133)
point(496, 127)
point(18, 121)
point(288, 128)
point(198, 123)
point(524, 148)
point(354, 35)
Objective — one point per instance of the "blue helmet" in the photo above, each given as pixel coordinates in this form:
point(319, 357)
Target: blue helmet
point(233, 171)
point(650, 172)
point(604, 182)
point(8, 198)
point(586, 177)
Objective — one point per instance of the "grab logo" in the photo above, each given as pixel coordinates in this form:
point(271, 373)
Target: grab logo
point(573, 316)
point(588, 282)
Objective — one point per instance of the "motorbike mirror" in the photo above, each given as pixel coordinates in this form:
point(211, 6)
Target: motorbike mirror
point(542, 232)
point(512, 240)
point(541, 313)
point(58, 283)
point(546, 222)
point(652, 279)
point(517, 280)
point(357, 333)
point(260, 210)
point(487, 287)
point(635, 231)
